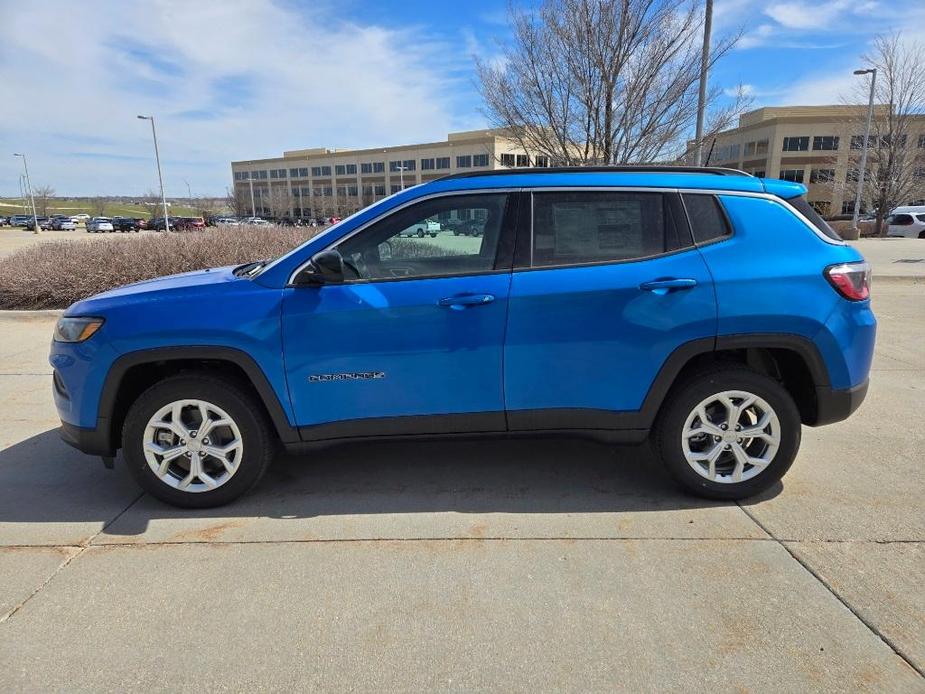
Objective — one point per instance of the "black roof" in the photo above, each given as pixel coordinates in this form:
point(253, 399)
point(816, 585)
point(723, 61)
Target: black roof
point(620, 168)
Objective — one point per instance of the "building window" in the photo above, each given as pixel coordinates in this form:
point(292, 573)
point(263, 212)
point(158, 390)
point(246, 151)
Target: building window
point(274, 173)
point(321, 171)
point(427, 164)
point(725, 153)
point(857, 142)
point(921, 141)
point(380, 189)
point(825, 142)
point(761, 147)
point(409, 164)
point(479, 160)
point(796, 144)
point(238, 176)
point(262, 174)
point(366, 167)
point(759, 173)
point(395, 166)
point(507, 160)
point(795, 175)
point(340, 170)
point(293, 173)
point(351, 169)
point(822, 175)
point(541, 161)
point(464, 161)
point(885, 141)
point(852, 175)
point(395, 188)
point(847, 207)
point(749, 149)
point(443, 162)
point(523, 160)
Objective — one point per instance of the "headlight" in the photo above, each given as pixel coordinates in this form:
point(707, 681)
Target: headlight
point(76, 329)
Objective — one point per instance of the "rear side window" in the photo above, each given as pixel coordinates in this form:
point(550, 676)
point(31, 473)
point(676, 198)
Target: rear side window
point(708, 222)
point(807, 210)
point(588, 227)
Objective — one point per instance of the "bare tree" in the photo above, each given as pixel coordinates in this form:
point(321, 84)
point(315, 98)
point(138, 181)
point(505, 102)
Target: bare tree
point(98, 206)
point(601, 81)
point(895, 176)
point(280, 201)
point(238, 200)
point(43, 195)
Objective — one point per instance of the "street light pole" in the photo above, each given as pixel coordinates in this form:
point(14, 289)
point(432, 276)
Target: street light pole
point(401, 175)
point(250, 179)
point(704, 68)
point(863, 169)
point(189, 194)
point(160, 178)
point(35, 217)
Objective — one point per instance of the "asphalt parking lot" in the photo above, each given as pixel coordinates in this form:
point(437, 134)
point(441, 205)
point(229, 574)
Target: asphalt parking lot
point(527, 565)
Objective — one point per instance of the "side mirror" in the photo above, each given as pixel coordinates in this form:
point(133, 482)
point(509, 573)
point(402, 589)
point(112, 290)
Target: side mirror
point(326, 267)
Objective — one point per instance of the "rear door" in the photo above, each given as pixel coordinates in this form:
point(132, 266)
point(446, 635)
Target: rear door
point(606, 286)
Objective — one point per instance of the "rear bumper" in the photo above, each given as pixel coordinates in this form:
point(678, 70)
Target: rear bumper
point(91, 441)
point(834, 405)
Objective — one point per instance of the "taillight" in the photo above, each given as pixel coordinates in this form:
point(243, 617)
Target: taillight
point(851, 280)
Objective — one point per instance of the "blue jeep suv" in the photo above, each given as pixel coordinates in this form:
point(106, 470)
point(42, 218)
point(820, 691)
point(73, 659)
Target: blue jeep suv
point(706, 309)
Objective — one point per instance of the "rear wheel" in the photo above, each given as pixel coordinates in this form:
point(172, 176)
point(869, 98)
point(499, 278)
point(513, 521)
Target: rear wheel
point(196, 441)
point(922, 234)
point(728, 433)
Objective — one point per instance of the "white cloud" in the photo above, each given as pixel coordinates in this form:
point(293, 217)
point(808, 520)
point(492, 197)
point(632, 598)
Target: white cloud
point(807, 15)
point(230, 79)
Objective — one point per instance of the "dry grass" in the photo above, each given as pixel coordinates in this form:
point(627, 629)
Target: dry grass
point(58, 273)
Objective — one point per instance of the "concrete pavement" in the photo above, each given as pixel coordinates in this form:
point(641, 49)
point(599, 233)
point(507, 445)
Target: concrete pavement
point(505, 565)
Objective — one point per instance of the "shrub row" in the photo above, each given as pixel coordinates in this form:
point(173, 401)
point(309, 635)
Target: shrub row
point(55, 274)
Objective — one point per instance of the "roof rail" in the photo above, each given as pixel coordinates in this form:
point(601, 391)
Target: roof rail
point(620, 168)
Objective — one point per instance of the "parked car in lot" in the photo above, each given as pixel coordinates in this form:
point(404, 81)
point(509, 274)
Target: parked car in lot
point(18, 220)
point(124, 224)
point(425, 227)
point(708, 310)
point(44, 223)
point(62, 223)
point(99, 224)
point(82, 217)
point(158, 224)
point(4, 221)
point(188, 223)
point(257, 221)
point(910, 225)
point(468, 227)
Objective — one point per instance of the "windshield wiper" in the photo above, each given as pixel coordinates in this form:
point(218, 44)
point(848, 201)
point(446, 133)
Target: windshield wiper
point(250, 269)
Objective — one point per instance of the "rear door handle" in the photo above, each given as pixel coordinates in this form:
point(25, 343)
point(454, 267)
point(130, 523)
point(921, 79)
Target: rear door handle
point(463, 300)
point(664, 286)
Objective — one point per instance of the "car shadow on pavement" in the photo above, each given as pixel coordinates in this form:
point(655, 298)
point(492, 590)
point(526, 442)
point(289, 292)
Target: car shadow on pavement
point(42, 480)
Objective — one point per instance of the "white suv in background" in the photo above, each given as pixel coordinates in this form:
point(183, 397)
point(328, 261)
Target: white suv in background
point(907, 222)
point(99, 224)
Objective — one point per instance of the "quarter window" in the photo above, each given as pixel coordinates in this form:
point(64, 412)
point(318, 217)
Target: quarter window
point(588, 227)
point(707, 219)
point(418, 241)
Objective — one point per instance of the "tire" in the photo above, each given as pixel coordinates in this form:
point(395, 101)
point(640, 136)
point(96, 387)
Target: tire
point(420, 233)
point(922, 234)
point(433, 234)
point(675, 420)
point(224, 398)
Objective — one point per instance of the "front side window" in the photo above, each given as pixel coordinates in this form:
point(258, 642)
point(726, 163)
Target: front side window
point(590, 227)
point(419, 241)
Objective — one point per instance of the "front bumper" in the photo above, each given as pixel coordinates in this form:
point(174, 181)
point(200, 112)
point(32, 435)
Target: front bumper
point(94, 441)
point(836, 404)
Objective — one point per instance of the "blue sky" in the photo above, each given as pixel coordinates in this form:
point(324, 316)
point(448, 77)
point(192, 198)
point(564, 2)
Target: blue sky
point(237, 79)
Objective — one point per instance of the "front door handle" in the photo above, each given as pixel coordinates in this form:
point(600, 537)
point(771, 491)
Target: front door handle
point(461, 301)
point(664, 286)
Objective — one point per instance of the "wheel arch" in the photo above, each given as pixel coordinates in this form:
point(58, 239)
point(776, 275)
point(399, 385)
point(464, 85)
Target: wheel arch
point(792, 359)
point(134, 372)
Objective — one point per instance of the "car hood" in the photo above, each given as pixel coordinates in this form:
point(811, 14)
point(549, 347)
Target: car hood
point(150, 290)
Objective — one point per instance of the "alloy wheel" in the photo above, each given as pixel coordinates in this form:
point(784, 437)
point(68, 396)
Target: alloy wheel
point(192, 445)
point(731, 436)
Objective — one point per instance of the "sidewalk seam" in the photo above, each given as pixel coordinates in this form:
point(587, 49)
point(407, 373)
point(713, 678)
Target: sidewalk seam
point(80, 550)
point(812, 572)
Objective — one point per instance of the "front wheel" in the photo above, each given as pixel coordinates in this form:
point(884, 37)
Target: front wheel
point(196, 441)
point(728, 433)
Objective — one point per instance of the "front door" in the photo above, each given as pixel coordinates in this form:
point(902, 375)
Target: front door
point(412, 341)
